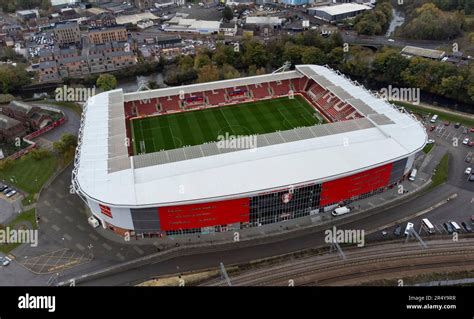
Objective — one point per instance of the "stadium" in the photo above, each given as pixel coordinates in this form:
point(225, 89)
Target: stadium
point(239, 153)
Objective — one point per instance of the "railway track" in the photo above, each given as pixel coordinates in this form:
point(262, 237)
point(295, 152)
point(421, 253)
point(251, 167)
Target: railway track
point(374, 260)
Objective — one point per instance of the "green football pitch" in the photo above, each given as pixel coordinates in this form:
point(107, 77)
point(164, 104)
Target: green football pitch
point(166, 132)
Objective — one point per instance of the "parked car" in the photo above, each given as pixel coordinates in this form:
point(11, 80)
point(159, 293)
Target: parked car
point(471, 143)
point(471, 178)
point(10, 194)
point(5, 261)
point(398, 231)
point(447, 123)
point(457, 125)
point(465, 131)
point(7, 190)
point(3, 187)
point(432, 127)
point(467, 227)
point(465, 141)
point(468, 158)
point(471, 130)
point(448, 227)
point(430, 141)
point(408, 228)
point(468, 171)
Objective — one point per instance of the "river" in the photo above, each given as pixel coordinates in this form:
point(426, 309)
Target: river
point(397, 20)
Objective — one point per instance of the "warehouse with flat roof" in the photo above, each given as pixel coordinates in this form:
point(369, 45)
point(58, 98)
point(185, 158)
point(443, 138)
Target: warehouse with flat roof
point(339, 11)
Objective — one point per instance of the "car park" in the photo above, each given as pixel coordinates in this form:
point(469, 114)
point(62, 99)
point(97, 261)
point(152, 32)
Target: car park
point(468, 171)
point(467, 227)
point(398, 231)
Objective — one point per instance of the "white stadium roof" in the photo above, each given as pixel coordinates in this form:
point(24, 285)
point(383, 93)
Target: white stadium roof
point(105, 173)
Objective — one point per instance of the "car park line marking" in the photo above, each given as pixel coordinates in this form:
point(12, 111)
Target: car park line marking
point(80, 247)
point(436, 226)
point(138, 250)
point(80, 227)
point(55, 227)
point(94, 237)
point(69, 219)
point(120, 256)
point(106, 246)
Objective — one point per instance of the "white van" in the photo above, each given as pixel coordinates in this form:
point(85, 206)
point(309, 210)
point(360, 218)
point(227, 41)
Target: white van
point(412, 175)
point(428, 226)
point(341, 211)
point(434, 118)
point(456, 227)
point(93, 222)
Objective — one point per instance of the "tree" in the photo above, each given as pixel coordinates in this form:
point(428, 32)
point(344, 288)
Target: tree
point(106, 82)
point(208, 73)
point(313, 55)
point(39, 153)
point(67, 143)
point(201, 60)
point(229, 72)
point(227, 13)
point(13, 78)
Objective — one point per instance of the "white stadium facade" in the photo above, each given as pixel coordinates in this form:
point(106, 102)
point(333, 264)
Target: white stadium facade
point(367, 146)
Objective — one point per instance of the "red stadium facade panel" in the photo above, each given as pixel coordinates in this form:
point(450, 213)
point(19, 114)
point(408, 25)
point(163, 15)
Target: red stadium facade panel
point(355, 185)
point(204, 215)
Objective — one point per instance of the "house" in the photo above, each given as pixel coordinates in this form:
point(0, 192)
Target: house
point(10, 129)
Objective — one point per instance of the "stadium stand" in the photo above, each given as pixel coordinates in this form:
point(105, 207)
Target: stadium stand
point(260, 91)
point(147, 107)
point(216, 97)
point(280, 88)
point(170, 103)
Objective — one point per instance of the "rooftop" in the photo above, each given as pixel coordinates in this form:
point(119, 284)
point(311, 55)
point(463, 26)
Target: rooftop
point(342, 8)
